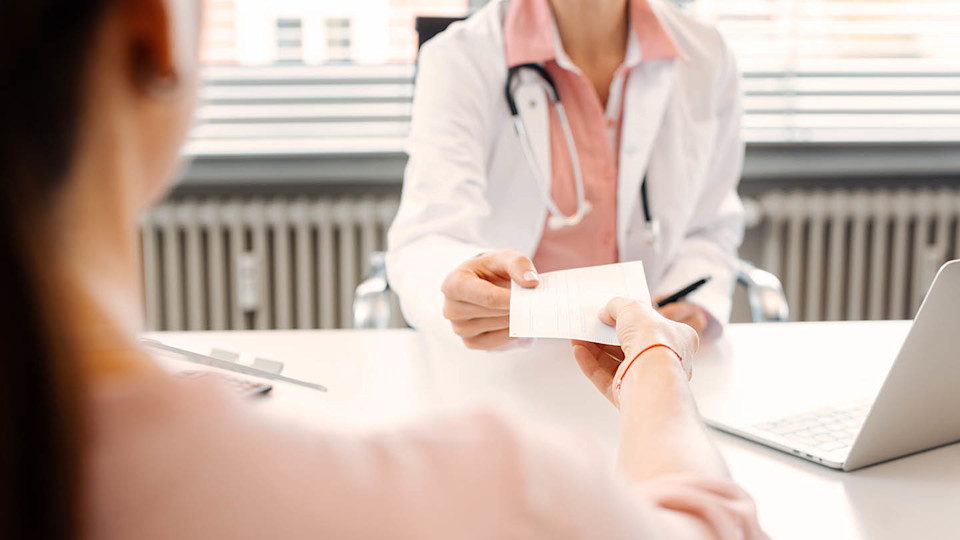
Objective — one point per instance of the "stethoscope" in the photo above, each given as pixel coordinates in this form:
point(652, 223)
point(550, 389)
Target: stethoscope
point(557, 219)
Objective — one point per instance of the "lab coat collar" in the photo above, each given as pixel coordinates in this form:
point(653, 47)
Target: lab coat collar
point(631, 58)
point(530, 35)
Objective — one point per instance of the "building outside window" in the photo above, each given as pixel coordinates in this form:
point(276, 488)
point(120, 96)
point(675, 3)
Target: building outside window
point(248, 32)
point(289, 40)
point(337, 34)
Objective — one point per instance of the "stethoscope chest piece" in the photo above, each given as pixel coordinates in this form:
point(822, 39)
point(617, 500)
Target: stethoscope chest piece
point(652, 233)
point(559, 221)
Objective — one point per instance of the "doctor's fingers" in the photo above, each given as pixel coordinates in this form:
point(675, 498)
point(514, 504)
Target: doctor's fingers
point(474, 327)
point(465, 286)
point(456, 310)
point(489, 340)
point(505, 263)
point(687, 313)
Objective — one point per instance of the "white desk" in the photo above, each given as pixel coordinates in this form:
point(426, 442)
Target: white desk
point(379, 378)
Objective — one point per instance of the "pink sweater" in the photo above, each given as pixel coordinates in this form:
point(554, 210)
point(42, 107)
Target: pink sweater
point(173, 459)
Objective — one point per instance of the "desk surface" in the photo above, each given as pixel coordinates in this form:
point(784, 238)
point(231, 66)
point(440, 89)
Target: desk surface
point(381, 378)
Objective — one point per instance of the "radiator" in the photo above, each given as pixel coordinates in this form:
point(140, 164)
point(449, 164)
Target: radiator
point(852, 255)
point(277, 263)
point(258, 263)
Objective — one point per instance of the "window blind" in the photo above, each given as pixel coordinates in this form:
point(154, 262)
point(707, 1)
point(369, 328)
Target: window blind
point(813, 71)
point(845, 70)
point(332, 108)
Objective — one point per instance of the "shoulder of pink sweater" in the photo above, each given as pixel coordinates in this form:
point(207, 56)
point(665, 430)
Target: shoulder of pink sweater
point(184, 459)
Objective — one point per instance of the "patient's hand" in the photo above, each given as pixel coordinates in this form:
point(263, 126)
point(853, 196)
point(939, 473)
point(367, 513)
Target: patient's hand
point(477, 302)
point(638, 327)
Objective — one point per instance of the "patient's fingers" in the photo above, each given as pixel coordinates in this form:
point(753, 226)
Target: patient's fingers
point(596, 365)
point(613, 351)
point(639, 326)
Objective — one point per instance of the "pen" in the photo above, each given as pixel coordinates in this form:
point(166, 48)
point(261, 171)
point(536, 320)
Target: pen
point(682, 293)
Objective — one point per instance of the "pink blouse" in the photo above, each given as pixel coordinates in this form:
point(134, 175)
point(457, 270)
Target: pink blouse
point(530, 36)
point(186, 460)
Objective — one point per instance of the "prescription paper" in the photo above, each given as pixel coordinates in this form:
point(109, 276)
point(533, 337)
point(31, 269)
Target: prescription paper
point(566, 303)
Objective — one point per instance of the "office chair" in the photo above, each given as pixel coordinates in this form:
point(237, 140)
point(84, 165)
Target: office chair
point(764, 293)
point(427, 27)
point(372, 301)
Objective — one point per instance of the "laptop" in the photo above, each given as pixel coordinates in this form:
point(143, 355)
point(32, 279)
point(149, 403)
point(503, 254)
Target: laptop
point(916, 408)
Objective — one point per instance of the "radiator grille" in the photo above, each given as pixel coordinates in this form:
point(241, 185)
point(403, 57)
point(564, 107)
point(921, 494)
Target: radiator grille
point(217, 264)
point(851, 255)
point(265, 263)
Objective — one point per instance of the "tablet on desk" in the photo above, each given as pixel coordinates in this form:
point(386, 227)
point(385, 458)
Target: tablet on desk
point(236, 374)
point(245, 387)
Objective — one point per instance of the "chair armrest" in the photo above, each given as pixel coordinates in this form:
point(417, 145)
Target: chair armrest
point(371, 301)
point(764, 292)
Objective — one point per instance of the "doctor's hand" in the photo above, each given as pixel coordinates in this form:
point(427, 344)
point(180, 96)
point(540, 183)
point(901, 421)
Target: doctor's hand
point(638, 327)
point(477, 302)
point(685, 312)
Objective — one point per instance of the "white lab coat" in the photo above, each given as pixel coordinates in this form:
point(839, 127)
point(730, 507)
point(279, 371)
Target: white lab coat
point(467, 188)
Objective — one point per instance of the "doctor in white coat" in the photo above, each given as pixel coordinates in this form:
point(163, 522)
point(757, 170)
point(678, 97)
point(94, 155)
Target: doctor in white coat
point(551, 134)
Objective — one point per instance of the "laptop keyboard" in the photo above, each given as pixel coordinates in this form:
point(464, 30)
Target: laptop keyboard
point(828, 429)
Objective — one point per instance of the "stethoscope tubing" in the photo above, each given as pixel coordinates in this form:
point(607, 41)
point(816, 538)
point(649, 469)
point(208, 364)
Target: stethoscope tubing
point(557, 218)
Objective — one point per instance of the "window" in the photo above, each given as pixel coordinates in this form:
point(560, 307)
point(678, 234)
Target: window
point(337, 36)
point(250, 32)
point(309, 76)
point(325, 76)
point(289, 40)
point(220, 32)
point(845, 70)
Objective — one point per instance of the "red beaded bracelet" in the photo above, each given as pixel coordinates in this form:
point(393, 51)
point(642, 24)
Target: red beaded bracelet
point(638, 355)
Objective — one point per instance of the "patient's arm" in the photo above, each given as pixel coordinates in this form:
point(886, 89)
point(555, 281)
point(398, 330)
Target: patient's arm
point(661, 429)
point(664, 449)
